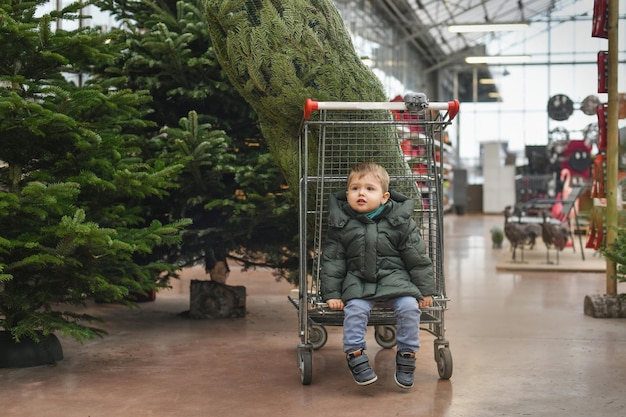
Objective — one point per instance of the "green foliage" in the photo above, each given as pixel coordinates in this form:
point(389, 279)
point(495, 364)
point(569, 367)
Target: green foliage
point(616, 252)
point(74, 183)
point(497, 235)
point(169, 53)
point(308, 53)
point(230, 185)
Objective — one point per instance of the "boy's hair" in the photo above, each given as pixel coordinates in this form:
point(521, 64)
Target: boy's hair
point(364, 168)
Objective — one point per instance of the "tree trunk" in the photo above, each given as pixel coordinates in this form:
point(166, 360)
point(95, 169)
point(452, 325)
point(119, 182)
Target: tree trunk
point(277, 53)
point(602, 306)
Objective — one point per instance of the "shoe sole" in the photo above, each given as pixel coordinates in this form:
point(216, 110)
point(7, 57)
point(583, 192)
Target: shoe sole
point(371, 381)
point(402, 385)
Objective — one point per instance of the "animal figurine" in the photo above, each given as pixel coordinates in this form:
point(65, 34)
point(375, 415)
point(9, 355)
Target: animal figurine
point(516, 233)
point(532, 231)
point(554, 234)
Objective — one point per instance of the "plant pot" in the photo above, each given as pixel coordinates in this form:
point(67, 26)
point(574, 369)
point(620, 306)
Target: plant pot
point(27, 352)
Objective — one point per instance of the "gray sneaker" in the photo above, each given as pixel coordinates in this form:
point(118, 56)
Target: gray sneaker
point(405, 368)
point(360, 367)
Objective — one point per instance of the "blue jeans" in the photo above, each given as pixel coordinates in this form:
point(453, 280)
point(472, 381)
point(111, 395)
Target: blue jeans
point(356, 315)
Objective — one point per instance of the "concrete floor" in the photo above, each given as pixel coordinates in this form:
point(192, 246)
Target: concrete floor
point(520, 341)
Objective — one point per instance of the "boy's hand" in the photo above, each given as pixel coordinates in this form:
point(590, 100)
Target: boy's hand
point(335, 304)
point(426, 302)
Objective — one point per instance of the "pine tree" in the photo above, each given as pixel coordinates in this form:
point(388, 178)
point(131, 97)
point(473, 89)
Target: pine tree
point(230, 186)
point(73, 181)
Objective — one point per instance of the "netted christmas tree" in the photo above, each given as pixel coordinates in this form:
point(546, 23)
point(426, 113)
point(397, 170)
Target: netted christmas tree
point(277, 53)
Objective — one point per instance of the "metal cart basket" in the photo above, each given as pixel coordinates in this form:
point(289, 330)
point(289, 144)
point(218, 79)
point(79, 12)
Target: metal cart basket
point(407, 139)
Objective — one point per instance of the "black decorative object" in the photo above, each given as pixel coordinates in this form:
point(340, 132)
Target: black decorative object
point(27, 352)
point(560, 107)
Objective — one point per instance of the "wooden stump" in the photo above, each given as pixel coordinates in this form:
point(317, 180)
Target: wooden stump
point(604, 306)
point(214, 300)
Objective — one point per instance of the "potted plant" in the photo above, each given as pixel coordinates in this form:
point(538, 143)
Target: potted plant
point(497, 237)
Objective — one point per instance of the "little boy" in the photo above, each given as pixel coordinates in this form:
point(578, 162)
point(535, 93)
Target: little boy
point(374, 252)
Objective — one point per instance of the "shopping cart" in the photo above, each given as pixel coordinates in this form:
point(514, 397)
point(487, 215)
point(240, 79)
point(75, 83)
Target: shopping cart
point(407, 139)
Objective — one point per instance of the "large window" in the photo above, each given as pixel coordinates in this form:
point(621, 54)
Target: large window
point(563, 62)
point(385, 49)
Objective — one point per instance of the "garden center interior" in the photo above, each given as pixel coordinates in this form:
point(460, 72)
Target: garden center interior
point(531, 134)
point(533, 94)
point(534, 103)
point(529, 87)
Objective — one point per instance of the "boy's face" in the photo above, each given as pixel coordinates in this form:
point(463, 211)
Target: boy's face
point(365, 194)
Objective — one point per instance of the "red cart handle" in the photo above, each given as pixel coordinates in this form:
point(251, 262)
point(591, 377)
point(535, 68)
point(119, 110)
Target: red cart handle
point(452, 107)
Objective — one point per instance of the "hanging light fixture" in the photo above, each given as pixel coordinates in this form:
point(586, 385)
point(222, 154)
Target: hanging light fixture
point(498, 59)
point(489, 27)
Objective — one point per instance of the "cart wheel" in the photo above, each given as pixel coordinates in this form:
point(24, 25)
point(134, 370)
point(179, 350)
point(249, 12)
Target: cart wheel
point(318, 336)
point(444, 362)
point(385, 336)
point(305, 363)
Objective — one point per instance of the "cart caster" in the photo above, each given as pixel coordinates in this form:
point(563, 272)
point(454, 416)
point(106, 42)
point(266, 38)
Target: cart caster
point(385, 336)
point(318, 336)
point(305, 363)
point(444, 362)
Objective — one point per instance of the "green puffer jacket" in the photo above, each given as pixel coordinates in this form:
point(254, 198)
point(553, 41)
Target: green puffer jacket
point(381, 258)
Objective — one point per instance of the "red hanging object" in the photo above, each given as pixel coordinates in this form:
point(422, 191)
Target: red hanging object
point(591, 238)
point(603, 114)
point(603, 71)
point(600, 19)
point(599, 175)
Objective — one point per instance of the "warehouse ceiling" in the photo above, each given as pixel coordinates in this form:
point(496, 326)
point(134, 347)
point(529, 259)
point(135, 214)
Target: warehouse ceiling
point(425, 22)
point(425, 25)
